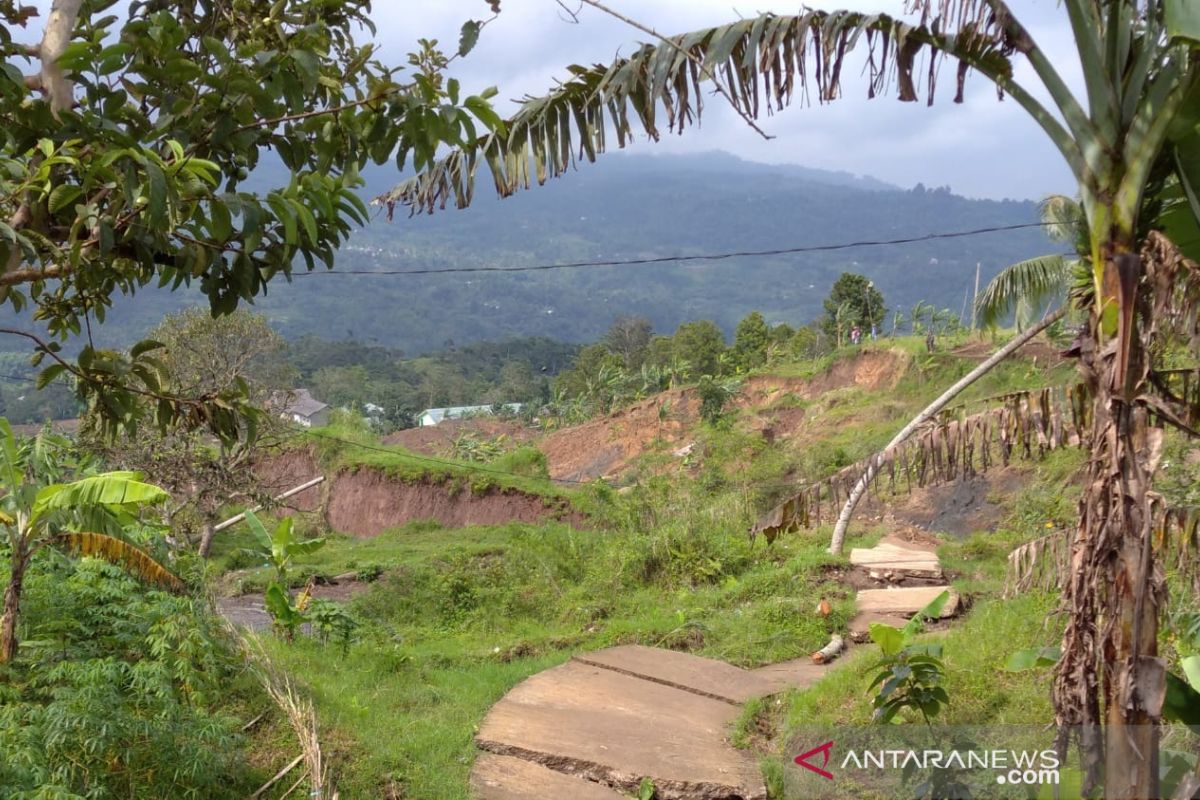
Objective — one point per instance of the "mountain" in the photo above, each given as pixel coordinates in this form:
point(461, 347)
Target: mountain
point(633, 207)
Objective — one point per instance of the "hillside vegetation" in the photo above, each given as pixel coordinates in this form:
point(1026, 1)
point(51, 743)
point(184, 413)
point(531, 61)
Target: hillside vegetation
point(452, 619)
point(629, 208)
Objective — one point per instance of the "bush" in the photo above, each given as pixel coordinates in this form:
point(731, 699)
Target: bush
point(114, 693)
point(527, 461)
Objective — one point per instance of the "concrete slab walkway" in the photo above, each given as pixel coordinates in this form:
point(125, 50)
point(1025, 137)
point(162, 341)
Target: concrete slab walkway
point(596, 727)
point(611, 718)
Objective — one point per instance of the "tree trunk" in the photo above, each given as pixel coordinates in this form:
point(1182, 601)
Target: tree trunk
point(1114, 591)
point(12, 603)
point(876, 461)
point(206, 537)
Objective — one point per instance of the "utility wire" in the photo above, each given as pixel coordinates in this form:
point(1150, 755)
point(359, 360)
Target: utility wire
point(820, 248)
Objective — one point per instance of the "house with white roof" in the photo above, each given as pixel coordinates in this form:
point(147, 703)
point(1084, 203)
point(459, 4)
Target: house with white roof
point(435, 416)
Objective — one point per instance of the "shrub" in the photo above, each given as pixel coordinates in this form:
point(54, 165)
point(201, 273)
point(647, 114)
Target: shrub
point(114, 693)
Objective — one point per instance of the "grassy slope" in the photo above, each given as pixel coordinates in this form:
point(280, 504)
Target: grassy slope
point(459, 617)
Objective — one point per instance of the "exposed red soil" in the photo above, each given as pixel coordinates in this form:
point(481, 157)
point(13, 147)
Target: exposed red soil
point(1039, 350)
point(872, 369)
point(367, 502)
point(606, 447)
point(438, 440)
point(288, 468)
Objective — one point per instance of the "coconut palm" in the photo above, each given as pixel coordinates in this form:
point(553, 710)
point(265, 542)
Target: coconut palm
point(1024, 288)
point(1133, 135)
point(37, 510)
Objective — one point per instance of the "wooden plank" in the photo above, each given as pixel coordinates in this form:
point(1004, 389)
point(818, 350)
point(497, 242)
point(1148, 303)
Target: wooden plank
point(904, 600)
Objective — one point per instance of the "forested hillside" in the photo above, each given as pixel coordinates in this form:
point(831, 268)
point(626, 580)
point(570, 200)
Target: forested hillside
point(633, 207)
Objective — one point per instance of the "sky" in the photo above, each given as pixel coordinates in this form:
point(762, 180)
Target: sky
point(982, 148)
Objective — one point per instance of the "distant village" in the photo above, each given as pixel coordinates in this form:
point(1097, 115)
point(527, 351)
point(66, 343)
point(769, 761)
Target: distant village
point(300, 407)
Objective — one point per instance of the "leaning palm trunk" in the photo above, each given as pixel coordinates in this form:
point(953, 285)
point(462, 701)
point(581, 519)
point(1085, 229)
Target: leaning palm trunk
point(873, 465)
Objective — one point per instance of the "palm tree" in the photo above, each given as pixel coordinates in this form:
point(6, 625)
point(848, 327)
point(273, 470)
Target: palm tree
point(1027, 286)
point(1134, 133)
point(37, 510)
point(916, 316)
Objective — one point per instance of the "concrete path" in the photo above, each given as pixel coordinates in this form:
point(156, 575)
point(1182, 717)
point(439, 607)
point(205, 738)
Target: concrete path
point(601, 723)
point(596, 727)
point(895, 561)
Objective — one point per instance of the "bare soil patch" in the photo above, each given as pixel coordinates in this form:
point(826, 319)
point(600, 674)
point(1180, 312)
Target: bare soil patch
point(366, 502)
point(959, 508)
point(289, 468)
point(607, 446)
point(438, 440)
point(1040, 350)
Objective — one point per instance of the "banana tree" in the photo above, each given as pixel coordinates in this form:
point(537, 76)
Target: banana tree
point(37, 510)
point(1134, 130)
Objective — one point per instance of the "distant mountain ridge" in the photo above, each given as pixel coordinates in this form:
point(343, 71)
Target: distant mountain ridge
point(632, 207)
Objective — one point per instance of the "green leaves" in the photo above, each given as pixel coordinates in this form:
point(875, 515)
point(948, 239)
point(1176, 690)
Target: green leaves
point(1182, 702)
point(1182, 18)
point(287, 617)
point(281, 544)
point(139, 184)
point(889, 639)
point(932, 610)
point(469, 36)
point(763, 63)
point(910, 672)
point(1033, 658)
point(114, 490)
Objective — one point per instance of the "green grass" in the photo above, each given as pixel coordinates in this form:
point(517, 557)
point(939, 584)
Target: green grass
point(349, 447)
point(458, 617)
point(976, 647)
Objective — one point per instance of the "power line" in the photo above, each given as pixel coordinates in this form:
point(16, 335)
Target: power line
point(820, 248)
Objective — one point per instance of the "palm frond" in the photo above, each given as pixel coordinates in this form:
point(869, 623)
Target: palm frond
point(764, 63)
point(132, 559)
point(1033, 281)
point(1065, 221)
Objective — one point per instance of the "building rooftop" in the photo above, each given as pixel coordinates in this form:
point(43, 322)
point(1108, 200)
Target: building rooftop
point(301, 403)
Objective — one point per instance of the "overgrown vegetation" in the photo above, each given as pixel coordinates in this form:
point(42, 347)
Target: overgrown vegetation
point(119, 691)
point(457, 617)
